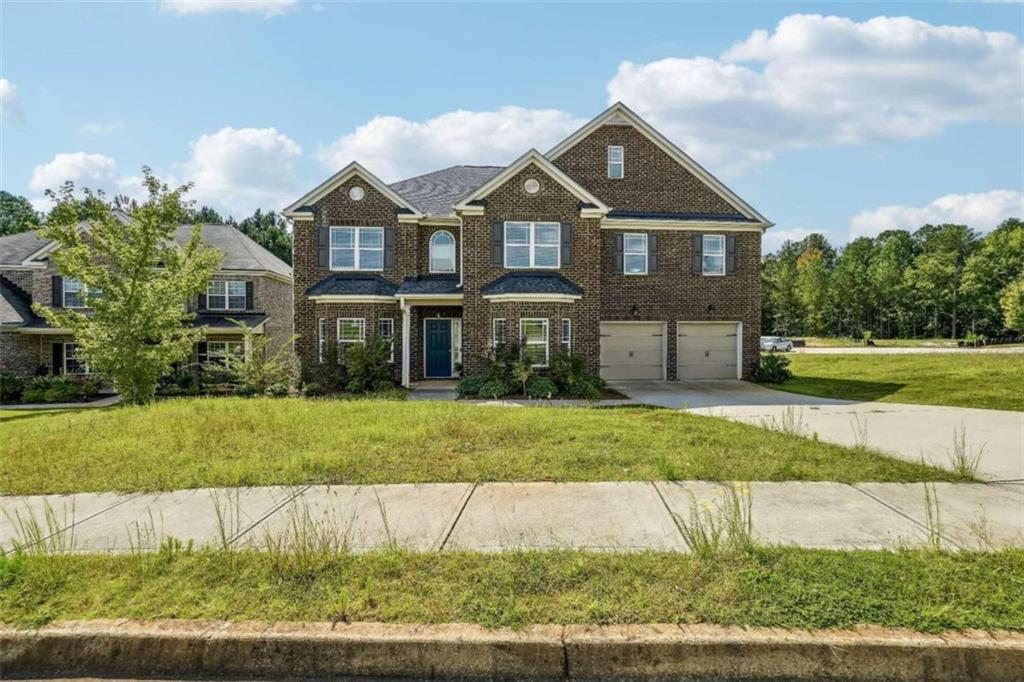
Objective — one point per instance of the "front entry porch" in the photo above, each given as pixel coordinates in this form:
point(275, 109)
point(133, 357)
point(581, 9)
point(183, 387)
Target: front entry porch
point(431, 342)
point(439, 347)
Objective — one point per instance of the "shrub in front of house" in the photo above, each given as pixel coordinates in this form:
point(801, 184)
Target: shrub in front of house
point(569, 372)
point(540, 387)
point(60, 389)
point(470, 385)
point(494, 388)
point(774, 369)
point(11, 387)
point(368, 366)
point(507, 373)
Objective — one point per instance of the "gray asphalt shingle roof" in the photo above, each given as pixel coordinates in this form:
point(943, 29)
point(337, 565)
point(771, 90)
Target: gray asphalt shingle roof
point(14, 248)
point(435, 193)
point(430, 284)
point(240, 252)
point(15, 305)
point(250, 320)
point(353, 285)
point(531, 283)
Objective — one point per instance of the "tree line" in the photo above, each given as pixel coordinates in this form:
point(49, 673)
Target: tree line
point(938, 281)
point(267, 228)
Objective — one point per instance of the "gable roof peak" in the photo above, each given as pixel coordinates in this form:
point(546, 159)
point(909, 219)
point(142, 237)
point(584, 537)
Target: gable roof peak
point(331, 183)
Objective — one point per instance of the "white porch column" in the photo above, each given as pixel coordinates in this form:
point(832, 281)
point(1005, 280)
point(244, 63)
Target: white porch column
point(406, 325)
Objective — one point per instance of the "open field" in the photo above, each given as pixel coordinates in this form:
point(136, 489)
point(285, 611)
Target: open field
point(790, 588)
point(844, 342)
point(245, 442)
point(976, 380)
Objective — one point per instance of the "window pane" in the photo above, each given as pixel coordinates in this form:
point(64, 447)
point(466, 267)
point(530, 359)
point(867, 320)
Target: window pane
point(342, 236)
point(634, 264)
point(517, 233)
point(547, 233)
point(634, 243)
point(546, 257)
point(714, 264)
point(372, 259)
point(442, 252)
point(615, 153)
point(517, 256)
point(615, 171)
point(535, 355)
point(236, 288)
point(371, 237)
point(343, 258)
point(714, 244)
point(351, 329)
point(533, 330)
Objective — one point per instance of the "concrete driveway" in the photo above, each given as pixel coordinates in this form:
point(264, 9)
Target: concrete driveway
point(911, 432)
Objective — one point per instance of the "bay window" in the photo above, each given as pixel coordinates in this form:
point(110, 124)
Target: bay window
point(534, 337)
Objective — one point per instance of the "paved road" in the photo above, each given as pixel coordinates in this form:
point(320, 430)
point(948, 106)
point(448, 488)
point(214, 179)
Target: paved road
point(904, 350)
point(911, 432)
point(499, 516)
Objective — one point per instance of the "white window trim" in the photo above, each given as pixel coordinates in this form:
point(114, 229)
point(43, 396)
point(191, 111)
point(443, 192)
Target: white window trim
point(359, 321)
point(430, 252)
point(496, 324)
point(356, 248)
point(224, 350)
point(82, 292)
point(81, 363)
point(626, 252)
point(547, 338)
point(621, 163)
point(704, 252)
point(565, 339)
point(390, 336)
point(532, 245)
point(226, 295)
point(321, 342)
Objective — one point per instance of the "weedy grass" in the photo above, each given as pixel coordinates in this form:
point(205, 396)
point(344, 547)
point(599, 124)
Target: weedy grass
point(925, 590)
point(191, 443)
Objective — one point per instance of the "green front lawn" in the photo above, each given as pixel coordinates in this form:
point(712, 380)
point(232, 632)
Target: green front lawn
point(993, 381)
point(778, 587)
point(846, 342)
point(190, 443)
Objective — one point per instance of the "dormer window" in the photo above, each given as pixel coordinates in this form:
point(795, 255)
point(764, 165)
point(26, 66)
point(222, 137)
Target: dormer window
point(442, 252)
point(616, 162)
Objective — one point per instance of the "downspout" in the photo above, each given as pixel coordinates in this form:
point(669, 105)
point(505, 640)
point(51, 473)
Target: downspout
point(405, 341)
point(462, 248)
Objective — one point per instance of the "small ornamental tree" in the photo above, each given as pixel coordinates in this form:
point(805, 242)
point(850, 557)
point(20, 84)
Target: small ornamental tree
point(1012, 302)
point(137, 281)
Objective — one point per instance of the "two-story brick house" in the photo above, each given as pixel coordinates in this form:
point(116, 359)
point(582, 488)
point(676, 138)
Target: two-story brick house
point(252, 286)
point(615, 245)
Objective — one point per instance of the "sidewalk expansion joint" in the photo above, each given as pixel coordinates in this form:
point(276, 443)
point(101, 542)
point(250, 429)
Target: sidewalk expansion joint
point(671, 515)
point(907, 516)
point(458, 515)
point(270, 513)
point(76, 522)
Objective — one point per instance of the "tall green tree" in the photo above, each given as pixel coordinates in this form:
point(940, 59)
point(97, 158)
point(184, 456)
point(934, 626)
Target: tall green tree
point(998, 261)
point(16, 214)
point(853, 293)
point(935, 278)
point(1012, 302)
point(812, 289)
point(270, 231)
point(137, 281)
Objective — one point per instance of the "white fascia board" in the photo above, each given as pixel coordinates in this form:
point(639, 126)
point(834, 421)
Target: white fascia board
point(619, 111)
point(532, 156)
point(682, 225)
point(230, 331)
point(534, 298)
point(339, 178)
point(434, 299)
point(43, 330)
point(335, 298)
point(254, 273)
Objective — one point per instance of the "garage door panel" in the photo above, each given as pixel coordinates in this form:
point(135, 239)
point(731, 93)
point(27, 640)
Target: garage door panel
point(712, 357)
point(706, 350)
point(632, 351)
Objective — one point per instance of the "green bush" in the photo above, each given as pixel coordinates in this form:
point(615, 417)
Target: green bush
point(568, 371)
point(368, 366)
point(495, 388)
point(501, 363)
point(540, 387)
point(11, 387)
point(471, 385)
point(774, 369)
point(60, 389)
point(312, 389)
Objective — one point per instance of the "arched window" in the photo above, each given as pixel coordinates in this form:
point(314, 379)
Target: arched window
point(442, 252)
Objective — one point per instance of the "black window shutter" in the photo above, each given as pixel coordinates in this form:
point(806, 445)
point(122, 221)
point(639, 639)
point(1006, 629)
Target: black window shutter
point(498, 243)
point(248, 296)
point(58, 358)
point(652, 253)
point(389, 248)
point(566, 244)
point(323, 236)
point(730, 254)
point(57, 288)
point(201, 352)
point(618, 253)
point(698, 254)
point(201, 305)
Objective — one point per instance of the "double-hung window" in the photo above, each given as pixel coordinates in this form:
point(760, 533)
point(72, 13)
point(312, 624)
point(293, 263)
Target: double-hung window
point(222, 295)
point(499, 337)
point(73, 364)
point(386, 331)
point(217, 352)
point(74, 293)
point(616, 162)
point(566, 335)
point(634, 254)
point(534, 335)
point(713, 250)
point(351, 330)
point(532, 245)
point(357, 248)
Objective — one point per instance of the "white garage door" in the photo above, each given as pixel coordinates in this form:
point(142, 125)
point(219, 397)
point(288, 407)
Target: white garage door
point(707, 350)
point(632, 350)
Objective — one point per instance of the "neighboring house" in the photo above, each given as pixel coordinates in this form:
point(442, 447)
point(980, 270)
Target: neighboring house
point(615, 245)
point(252, 286)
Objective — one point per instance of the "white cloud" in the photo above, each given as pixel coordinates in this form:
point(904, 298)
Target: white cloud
point(774, 237)
point(265, 8)
point(394, 148)
point(10, 104)
point(819, 80)
point(95, 171)
point(981, 210)
point(242, 169)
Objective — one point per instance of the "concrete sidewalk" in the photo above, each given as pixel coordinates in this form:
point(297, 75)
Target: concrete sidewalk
point(627, 516)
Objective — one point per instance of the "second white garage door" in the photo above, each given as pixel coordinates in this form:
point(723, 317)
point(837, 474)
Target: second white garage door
point(632, 351)
point(707, 350)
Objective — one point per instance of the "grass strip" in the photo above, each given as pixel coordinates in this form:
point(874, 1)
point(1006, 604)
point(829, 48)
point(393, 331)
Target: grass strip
point(923, 590)
point(193, 443)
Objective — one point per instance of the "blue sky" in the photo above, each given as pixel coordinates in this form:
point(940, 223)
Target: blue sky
point(865, 117)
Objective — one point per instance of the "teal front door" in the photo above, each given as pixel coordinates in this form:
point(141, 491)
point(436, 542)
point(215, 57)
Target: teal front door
point(439, 348)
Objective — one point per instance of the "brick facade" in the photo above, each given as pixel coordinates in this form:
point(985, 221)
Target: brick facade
point(19, 353)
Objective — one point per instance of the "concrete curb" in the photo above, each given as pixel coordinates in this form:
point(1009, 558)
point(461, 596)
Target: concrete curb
point(204, 648)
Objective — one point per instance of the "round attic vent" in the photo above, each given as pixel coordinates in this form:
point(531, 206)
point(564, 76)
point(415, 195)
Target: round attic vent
point(356, 193)
point(532, 186)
